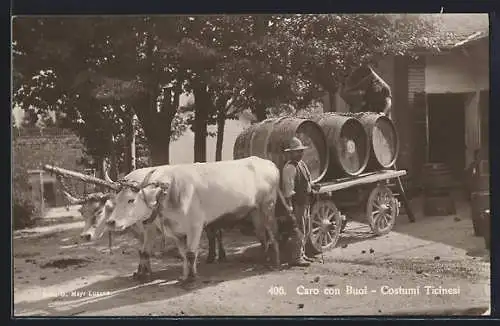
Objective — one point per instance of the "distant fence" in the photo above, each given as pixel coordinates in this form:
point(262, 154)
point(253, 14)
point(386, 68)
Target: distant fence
point(40, 132)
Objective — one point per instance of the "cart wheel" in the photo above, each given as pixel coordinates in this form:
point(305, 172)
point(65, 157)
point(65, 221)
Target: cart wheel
point(381, 210)
point(325, 225)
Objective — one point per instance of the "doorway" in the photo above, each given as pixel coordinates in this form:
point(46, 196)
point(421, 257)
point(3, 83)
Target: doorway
point(49, 193)
point(446, 116)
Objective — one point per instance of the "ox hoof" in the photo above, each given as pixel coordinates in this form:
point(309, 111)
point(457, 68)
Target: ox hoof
point(189, 282)
point(210, 259)
point(142, 277)
point(273, 267)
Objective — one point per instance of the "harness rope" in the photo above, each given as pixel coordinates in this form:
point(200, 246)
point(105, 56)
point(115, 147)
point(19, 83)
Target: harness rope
point(155, 211)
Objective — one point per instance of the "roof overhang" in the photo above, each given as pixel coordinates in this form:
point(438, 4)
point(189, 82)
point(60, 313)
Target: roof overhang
point(479, 36)
point(447, 49)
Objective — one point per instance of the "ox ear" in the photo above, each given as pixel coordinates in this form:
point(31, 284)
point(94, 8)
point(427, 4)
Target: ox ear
point(109, 205)
point(180, 194)
point(106, 177)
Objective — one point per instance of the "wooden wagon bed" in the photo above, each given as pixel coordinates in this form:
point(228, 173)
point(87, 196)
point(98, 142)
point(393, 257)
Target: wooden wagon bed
point(362, 179)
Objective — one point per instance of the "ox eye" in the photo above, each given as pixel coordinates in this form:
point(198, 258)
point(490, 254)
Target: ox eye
point(130, 201)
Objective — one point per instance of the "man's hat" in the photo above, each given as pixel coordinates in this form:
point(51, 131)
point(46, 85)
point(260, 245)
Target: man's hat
point(295, 145)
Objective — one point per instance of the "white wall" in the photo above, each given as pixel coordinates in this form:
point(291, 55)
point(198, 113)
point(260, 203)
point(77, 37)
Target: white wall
point(472, 126)
point(462, 72)
point(459, 71)
point(182, 150)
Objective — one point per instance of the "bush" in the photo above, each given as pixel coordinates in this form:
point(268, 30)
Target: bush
point(22, 213)
point(23, 208)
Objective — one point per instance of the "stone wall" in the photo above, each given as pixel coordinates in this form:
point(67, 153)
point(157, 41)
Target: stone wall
point(31, 150)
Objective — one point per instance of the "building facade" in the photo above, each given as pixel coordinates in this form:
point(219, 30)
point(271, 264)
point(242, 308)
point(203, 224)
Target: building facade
point(440, 102)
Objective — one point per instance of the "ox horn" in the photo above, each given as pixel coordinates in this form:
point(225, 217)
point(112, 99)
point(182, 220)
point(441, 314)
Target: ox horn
point(73, 200)
point(146, 178)
point(107, 178)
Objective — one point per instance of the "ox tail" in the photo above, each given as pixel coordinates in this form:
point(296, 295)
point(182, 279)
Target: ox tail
point(271, 225)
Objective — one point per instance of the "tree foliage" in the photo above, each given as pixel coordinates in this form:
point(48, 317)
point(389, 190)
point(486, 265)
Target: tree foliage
point(97, 71)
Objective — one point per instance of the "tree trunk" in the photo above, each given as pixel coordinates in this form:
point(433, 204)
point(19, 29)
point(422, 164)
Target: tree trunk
point(157, 129)
point(160, 151)
point(202, 103)
point(113, 169)
point(128, 145)
point(333, 101)
point(100, 166)
point(133, 159)
point(221, 122)
point(260, 112)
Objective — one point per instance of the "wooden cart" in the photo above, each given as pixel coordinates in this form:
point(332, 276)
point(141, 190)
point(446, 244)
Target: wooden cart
point(370, 189)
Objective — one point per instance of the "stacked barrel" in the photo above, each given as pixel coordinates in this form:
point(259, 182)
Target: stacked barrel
point(269, 138)
point(340, 144)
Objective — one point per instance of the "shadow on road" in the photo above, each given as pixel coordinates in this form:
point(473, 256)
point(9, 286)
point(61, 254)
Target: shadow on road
point(453, 230)
point(243, 254)
point(244, 261)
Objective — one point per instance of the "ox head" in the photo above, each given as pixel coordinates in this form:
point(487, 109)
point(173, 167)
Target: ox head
point(95, 210)
point(142, 202)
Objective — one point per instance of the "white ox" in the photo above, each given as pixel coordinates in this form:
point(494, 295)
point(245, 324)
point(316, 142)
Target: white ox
point(187, 197)
point(97, 207)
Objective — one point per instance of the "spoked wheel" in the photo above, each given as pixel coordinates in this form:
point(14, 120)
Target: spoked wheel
point(325, 225)
point(381, 210)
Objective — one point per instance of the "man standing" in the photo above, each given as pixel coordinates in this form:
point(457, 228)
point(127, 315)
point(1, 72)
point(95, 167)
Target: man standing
point(378, 97)
point(471, 172)
point(365, 91)
point(296, 184)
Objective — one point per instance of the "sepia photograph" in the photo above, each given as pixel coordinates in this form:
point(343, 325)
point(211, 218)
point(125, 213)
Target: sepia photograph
point(251, 165)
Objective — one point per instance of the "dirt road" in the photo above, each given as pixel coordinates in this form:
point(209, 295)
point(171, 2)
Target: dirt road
point(53, 275)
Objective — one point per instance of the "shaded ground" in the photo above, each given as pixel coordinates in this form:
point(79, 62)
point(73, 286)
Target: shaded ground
point(54, 275)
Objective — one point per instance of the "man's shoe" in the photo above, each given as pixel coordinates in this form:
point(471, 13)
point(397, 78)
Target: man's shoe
point(300, 263)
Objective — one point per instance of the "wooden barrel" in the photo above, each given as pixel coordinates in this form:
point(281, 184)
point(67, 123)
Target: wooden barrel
point(242, 144)
point(439, 206)
point(347, 144)
point(436, 177)
point(383, 139)
point(269, 138)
